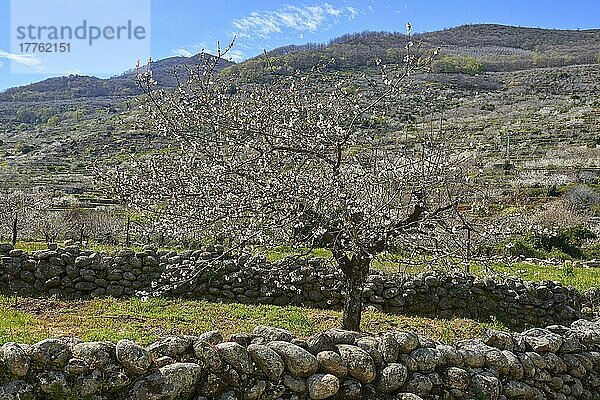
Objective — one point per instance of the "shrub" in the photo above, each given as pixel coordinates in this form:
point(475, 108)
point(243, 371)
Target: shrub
point(568, 270)
point(521, 247)
point(567, 240)
point(562, 244)
point(582, 196)
point(558, 255)
point(592, 252)
point(458, 64)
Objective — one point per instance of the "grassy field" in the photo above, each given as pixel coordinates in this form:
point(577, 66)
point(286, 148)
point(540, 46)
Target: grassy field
point(582, 279)
point(28, 320)
point(31, 246)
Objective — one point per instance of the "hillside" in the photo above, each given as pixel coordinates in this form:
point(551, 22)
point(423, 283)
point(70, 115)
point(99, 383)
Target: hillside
point(489, 47)
point(53, 132)
point(494, 47)
point(124, 85)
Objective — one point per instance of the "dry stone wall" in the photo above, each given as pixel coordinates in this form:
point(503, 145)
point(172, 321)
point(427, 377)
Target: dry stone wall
point(209, 274)
point(559, 362)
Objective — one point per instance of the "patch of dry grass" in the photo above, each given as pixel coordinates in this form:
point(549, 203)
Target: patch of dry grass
point(28, 320)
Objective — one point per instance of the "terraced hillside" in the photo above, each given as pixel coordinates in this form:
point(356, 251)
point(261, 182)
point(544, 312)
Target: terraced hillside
point(533, 125)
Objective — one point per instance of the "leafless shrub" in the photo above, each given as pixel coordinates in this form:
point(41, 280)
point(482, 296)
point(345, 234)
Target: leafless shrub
point(583, 197)
point(560, 213)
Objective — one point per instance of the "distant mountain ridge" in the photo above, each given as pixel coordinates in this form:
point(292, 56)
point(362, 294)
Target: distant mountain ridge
point(495, 47)
point(481, 47)
point(475, 35)
point(124, 85)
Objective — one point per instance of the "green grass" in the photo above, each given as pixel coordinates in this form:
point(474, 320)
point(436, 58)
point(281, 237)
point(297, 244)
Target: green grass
point(30, 246)
point(280, 252)
point(581, 279)
point(12, 323)
point(30, 320)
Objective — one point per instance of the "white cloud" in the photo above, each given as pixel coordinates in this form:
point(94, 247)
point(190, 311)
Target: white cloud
point(354, 12)
point(235, 55)
point(189, 51)
point(259, 24)
point(182, 52)
point(30, 60)
point(263, 24)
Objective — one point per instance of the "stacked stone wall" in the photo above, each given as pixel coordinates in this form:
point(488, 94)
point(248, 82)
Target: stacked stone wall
point(208, 274)
point(559, 362)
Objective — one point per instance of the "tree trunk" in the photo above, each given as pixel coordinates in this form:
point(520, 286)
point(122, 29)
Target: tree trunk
point(14, 230)
point(127, 237)
point(353, 302)
point(355, 271)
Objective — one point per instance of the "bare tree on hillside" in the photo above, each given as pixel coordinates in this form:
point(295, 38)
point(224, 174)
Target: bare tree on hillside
point(19, 211)
point(299, 161)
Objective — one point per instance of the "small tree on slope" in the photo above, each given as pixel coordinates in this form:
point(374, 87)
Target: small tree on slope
point(296, 161)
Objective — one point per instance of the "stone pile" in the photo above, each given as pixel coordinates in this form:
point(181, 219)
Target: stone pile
point(558, 362)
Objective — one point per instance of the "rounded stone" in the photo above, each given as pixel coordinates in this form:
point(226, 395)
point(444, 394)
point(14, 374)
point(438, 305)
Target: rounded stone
point(76, 366)
point(427, 359)
point(407, 341)
point(517, 390)
point(419, 384)
point(350, 390)
point(17, 390)
point(95, 354)
point(341, 336)
point(267, 360)
point(389, 348)
point(320, 342)
point(299, 362)
point(15, 358)
point(457, 378)
point(297, 385)
point(370, 344)
point(332, 363)
point(207, 353)
point(408, 396)
point(542, 340)
point(53, 382)
point(486, 384)
point(392, 377)
point(171, 382)
point(133, 357)
point(50, 352)
point(235, 355)
point(273, 334)
point(90, 384)
point(322, 386)
point(171, 346)
point(212, 337)
point(360, 364)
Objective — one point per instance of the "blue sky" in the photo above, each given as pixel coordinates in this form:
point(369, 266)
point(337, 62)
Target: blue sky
point(184, 27)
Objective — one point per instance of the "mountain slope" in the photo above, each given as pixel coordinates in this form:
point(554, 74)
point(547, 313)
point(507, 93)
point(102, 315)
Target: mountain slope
point(76, 86)
point(493, 48)
point(542, 112)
